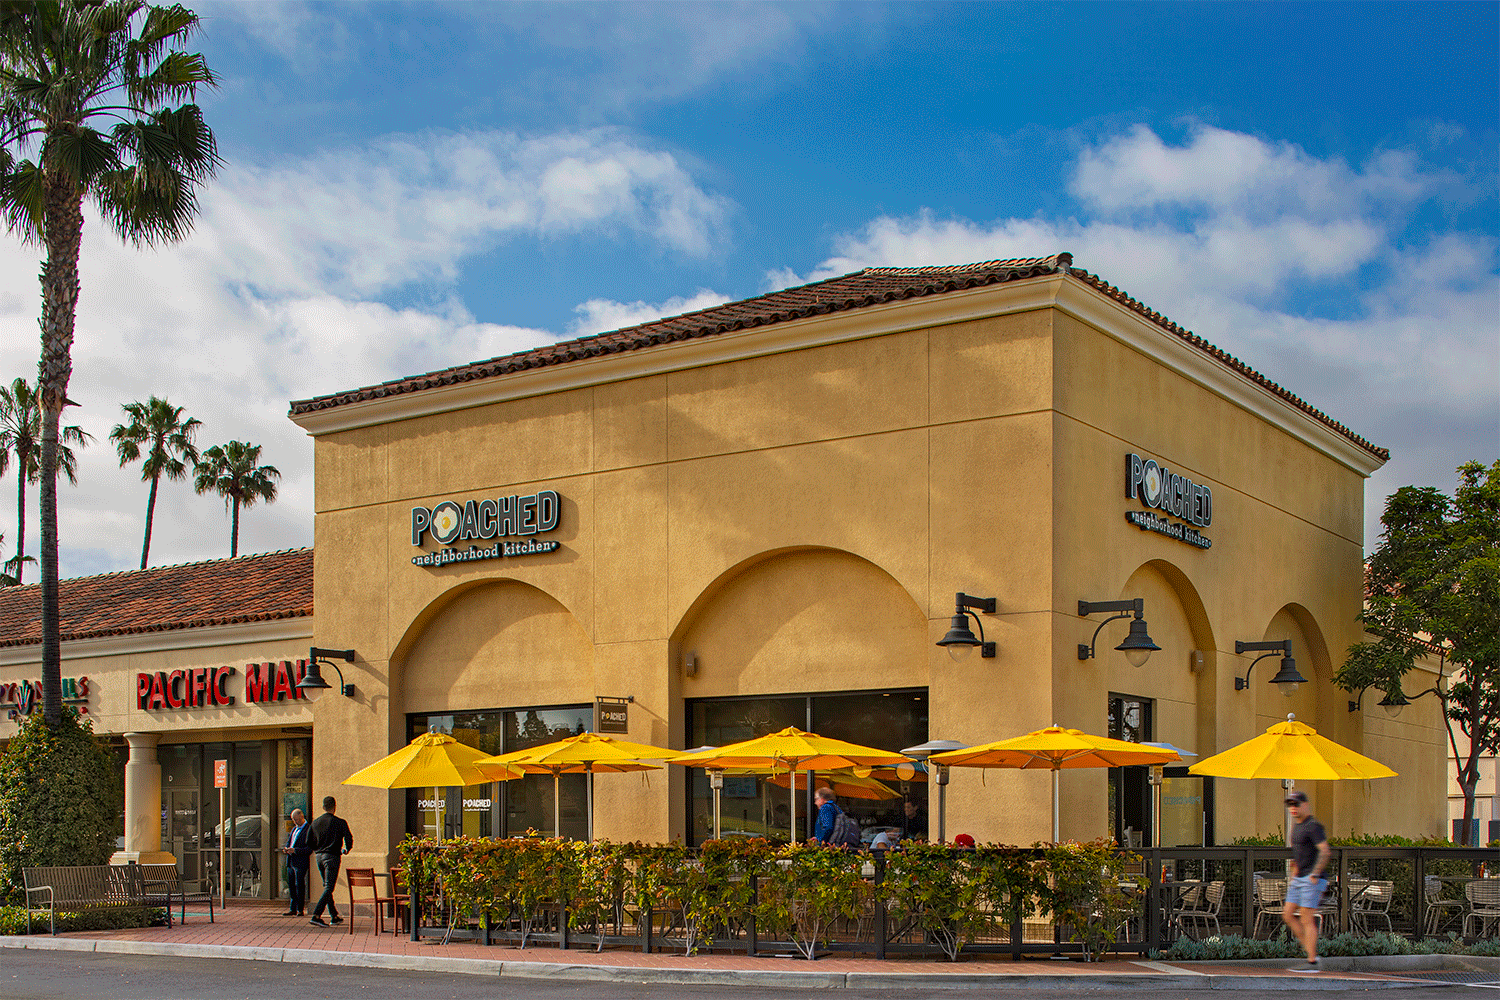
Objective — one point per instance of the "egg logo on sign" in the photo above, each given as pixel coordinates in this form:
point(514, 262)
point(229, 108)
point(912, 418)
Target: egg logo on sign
point(447, 519)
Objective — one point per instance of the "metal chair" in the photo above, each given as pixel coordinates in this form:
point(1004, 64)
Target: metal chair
point(1483, 895)
point(1211, 898)
point(364, 878)
point(1270, 897)
point(1437, 906)
point(1372, 903)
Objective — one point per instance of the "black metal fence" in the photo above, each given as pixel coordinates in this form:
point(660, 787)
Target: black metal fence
point(1194, 891)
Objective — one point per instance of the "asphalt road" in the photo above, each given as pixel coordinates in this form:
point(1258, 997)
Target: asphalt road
point(32, 975)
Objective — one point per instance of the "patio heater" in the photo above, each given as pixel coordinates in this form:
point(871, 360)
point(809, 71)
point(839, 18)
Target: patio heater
point(939, 776)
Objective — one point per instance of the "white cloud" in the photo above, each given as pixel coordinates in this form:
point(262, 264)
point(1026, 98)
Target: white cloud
point(273, 299)
point(1228, 234)
point(600, 315)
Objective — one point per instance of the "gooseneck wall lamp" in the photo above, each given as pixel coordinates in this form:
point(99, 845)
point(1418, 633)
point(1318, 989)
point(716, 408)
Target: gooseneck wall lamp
point(1395, 701)
point(312, 684)
point(959, 641)
point(1137, 646)
point(1286, 679)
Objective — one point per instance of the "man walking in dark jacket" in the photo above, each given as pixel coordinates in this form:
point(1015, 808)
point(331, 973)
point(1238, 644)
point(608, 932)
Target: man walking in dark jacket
point(331, 840)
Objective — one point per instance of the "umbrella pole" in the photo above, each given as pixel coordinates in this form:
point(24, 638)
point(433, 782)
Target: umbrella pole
point(718, 786)
point(793, 802)
point(556, 806)
point(589, 770)
point(1056, 788)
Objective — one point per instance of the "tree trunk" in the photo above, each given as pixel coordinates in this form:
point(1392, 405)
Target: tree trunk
point(62, 230)
point(234, 532)
point(150, 513)
point(21, 515)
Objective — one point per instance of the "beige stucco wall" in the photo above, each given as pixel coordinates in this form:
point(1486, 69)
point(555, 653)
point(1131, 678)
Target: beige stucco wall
point(801, 520)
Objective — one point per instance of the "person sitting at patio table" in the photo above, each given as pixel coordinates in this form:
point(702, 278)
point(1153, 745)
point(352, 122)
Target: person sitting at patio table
point(885, 840)
point(828, 814)
point(1310, 854)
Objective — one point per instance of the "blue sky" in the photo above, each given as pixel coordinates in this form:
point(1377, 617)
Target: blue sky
point(1312, 187)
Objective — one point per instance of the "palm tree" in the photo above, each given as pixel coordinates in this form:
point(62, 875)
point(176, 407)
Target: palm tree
point(168, 439)
point(231, 472)
point(21, 432)
point(85, 84)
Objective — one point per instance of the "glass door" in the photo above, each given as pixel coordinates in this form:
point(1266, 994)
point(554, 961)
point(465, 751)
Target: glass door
point(183, 829)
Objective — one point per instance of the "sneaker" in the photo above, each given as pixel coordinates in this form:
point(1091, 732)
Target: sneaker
point(319, 921)
point(338, 919)
point(1309, 967)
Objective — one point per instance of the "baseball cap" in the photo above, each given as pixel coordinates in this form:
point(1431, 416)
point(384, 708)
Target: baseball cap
point(1296, 798)
point(963, 840)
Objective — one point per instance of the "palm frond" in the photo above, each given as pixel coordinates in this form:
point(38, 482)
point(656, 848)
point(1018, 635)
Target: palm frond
point(21, 200)
point(80, 156)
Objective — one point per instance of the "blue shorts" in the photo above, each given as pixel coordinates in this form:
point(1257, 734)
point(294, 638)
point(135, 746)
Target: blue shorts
point(1306, 891)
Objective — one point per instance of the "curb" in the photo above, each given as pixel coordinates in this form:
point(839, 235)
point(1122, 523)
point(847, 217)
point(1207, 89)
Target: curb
point(1182, 980)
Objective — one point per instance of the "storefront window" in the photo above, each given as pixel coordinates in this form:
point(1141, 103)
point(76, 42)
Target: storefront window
point(760, 806)
point(193, 829)
point(502, 808)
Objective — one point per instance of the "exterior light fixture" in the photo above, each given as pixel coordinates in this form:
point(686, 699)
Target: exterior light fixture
point(1394, 701)
point(1286, 679)
point(959, 641)
point(312, 684)
point(1137, 646)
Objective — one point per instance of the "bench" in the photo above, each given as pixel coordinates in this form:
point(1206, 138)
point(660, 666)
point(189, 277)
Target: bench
point(161, 885)
point(79, 887)
point(93, 887)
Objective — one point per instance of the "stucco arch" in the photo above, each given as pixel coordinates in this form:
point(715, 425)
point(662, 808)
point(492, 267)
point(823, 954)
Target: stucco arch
point(803, 619)
point(490, 644)
point(1181, 687)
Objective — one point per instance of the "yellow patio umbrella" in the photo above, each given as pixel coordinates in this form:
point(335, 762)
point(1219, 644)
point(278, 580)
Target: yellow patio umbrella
point(1291, 751)
point(432, 760)
point(588, 754)
point(845, 784)
point(792, 749)
point(1053, 749)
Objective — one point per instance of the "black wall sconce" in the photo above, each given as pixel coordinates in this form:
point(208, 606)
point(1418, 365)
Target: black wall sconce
point(1395, 701)
point(1286, 679)
point(1137, 646)
point(312, 684)
point(960, 641)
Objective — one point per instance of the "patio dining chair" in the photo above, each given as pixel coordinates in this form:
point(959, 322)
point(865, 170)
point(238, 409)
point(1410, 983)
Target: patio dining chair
point(1483, 895)
point(1440, 910)
point(1207, 912)
point(1270, 897)
point(1372, 903)
point(364, 878)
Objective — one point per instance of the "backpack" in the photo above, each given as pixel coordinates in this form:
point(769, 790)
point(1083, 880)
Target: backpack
point(845, 832)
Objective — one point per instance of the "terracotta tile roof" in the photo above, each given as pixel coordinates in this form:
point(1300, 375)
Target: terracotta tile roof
point(218, 592)
point(861, 289)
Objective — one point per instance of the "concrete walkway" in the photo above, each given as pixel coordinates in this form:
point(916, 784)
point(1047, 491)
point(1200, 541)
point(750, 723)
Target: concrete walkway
point(257, 932)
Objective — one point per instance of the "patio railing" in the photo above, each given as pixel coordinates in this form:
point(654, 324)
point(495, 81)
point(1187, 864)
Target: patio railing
point(1014, 901)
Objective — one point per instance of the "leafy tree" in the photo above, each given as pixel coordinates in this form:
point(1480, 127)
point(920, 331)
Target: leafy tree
point(21, 433)
point(60, 798)
point(1434, 584)
point(157, 426)
point(231, 472)
point(84, 87)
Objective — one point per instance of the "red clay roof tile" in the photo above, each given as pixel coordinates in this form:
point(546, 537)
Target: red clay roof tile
point(861, 289)
point(194, 595)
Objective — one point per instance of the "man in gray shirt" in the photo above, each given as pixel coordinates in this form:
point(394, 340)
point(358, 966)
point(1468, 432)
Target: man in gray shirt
point(1310, 854)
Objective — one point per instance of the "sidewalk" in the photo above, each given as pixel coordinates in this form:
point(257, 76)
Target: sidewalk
point(261, 933)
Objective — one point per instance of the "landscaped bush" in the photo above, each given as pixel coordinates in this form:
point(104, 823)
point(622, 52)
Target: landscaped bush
point(13, 919)
point(60, 799)
point(807, 889)
point(1232, 946)
point(1083, 891)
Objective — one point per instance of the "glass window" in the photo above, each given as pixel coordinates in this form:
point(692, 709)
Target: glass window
point(506, 808)
point(756, 806)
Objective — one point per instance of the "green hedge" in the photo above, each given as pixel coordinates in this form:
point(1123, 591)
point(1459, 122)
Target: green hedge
point(803, 889)
point(13, 919)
